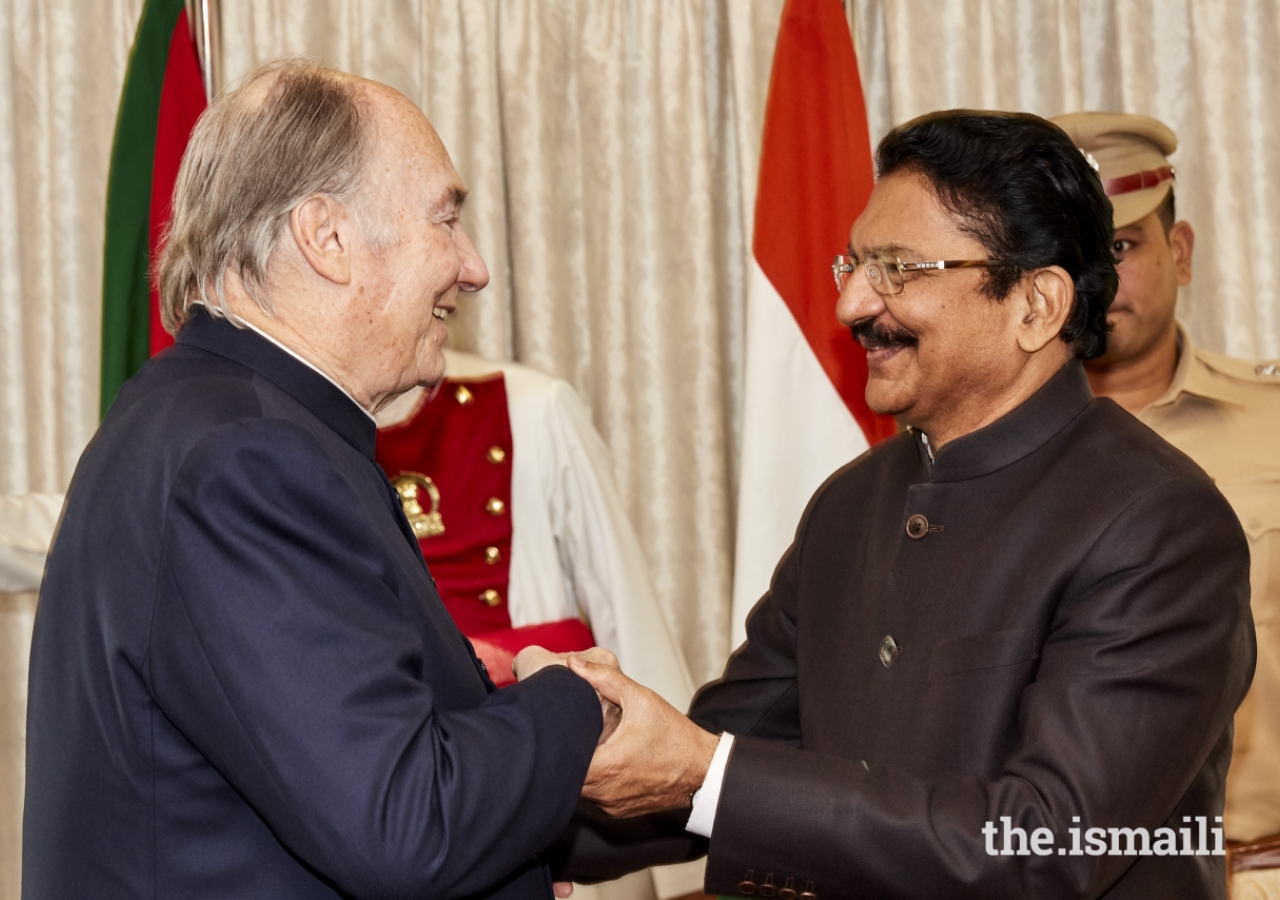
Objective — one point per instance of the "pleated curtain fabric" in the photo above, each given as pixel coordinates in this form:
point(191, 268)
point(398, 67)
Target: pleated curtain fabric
point(62, 63)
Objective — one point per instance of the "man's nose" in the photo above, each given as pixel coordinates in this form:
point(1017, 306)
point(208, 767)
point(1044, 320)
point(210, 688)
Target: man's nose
point(474, 274)
point(858, 300)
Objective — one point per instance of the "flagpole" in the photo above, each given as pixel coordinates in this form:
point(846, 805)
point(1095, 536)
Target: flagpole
point(205, 17)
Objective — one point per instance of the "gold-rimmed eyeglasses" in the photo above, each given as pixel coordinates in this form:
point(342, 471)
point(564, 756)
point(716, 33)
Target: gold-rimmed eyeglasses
point(886, 274)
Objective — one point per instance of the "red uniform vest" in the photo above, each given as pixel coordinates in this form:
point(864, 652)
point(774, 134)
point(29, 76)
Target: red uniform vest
point(451, 462)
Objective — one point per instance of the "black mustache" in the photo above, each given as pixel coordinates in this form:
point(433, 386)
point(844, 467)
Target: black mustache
point(875, 334)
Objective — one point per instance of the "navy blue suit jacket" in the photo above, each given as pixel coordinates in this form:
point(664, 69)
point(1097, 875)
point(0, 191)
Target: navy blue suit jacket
point(243, 682)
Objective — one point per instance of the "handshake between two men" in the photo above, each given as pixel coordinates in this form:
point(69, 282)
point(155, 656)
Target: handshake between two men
point(650, 758)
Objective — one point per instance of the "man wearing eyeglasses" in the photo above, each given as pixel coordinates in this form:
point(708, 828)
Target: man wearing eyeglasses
point(1224, 413)
point(1023, 618)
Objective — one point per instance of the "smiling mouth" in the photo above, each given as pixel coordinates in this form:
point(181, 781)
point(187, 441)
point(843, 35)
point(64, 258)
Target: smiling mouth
point(441, 313)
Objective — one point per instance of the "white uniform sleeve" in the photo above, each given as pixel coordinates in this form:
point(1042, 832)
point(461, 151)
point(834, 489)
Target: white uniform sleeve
point(574, 551)
point(611, 577)
point(27, 522)
point(597, 555)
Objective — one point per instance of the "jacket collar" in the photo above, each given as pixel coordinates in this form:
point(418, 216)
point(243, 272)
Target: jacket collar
point(319, 395)
point(1192, 376)
point(1019, 432)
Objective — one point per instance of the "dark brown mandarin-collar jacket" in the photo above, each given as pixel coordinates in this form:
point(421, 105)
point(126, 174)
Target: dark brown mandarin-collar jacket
point(1049, 622)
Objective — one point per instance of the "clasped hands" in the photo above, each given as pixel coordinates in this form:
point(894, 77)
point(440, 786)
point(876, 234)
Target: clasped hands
point(650, 758)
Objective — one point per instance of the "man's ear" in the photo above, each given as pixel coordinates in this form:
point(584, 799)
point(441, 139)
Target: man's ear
point(1182, 240)
point(323, 233)
point(1045, 303)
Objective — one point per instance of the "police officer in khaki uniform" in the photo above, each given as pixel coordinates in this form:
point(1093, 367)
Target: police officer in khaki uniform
point(1224, 413)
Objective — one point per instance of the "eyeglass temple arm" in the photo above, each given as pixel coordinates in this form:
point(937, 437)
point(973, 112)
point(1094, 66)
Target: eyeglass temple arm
point(954, 264)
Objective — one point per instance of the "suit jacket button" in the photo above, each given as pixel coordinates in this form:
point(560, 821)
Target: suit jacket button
point(807, 893)
point(788, 892)
point(917, 527)
point(766, 888)
point(889, 651)
point(746, 885)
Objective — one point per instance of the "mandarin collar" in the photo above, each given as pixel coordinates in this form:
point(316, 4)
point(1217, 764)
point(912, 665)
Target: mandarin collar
point(1017, 433)
point(318, 394)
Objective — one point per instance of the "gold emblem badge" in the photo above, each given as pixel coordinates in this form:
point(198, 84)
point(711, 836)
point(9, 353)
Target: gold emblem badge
point(410, 485)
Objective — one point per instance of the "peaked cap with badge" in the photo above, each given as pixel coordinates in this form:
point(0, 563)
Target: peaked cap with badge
point(1131, 153)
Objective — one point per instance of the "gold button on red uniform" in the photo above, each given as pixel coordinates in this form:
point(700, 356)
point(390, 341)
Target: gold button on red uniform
point(449, 437)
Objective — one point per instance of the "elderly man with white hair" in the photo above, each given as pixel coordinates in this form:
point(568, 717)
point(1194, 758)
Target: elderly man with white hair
point(243, 682)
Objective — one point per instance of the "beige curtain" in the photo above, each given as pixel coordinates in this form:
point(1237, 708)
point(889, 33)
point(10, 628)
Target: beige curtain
point(17, 612)
point(1207, 68)
point(62, 65)
point(610, 148)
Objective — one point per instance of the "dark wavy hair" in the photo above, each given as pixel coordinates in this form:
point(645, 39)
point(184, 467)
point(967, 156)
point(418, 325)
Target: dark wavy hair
point(1017, 185)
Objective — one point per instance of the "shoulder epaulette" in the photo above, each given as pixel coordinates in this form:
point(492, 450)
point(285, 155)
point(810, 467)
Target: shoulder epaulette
point(1266, 371)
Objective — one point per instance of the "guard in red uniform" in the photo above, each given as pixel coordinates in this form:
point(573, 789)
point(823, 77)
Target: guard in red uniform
point(511, 492)
point(461, 513)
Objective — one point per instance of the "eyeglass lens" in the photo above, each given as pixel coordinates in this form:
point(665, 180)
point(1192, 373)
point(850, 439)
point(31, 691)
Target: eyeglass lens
point(884, 275)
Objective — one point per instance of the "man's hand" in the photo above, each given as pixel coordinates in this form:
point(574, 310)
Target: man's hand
point(535, 659)
point(655, 759)
point(531, 660)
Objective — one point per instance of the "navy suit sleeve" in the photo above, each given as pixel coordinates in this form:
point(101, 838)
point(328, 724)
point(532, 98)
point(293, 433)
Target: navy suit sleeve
point(283, 651)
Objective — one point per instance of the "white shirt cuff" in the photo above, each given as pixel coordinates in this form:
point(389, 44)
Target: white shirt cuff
point(707, 797)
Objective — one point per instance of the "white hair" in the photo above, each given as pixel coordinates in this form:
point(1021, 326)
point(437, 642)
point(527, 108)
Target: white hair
point(292, 129)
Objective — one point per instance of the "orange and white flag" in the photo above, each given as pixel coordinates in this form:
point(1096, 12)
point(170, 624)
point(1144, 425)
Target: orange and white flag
point(805, 410)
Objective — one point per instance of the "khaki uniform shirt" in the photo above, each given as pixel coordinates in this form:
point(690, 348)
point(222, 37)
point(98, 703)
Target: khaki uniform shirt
point(1225, 414)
